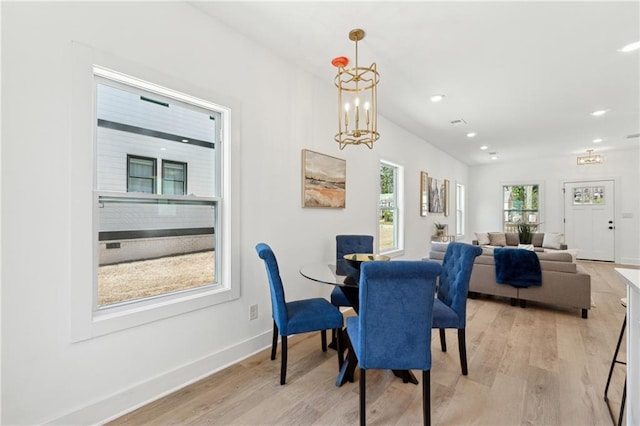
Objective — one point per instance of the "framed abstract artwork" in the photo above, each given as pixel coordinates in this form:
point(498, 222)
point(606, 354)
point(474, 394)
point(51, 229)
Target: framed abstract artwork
point(424, 193)
point(324, 180)
point(438, 196)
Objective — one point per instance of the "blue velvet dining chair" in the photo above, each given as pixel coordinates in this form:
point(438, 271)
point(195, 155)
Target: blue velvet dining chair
point(392, 330)
point(347, 244)
point(450, 308)
point(300, 316)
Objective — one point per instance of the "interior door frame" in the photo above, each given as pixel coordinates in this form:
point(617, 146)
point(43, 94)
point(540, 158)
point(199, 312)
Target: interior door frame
point(616, 207)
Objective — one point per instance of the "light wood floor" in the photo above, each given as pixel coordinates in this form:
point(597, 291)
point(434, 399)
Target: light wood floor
point(540, 365)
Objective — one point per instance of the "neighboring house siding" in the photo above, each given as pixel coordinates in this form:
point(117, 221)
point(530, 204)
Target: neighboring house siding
point(122, 117)
point(112, 175)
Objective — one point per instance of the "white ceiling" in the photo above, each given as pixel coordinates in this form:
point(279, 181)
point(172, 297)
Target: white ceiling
point(524, 75)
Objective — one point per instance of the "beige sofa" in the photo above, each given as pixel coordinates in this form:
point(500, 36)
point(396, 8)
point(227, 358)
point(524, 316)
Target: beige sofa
point(512, 239)
point(564, 282)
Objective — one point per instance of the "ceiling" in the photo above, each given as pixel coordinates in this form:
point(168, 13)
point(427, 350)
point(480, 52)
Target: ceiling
point(524, 76)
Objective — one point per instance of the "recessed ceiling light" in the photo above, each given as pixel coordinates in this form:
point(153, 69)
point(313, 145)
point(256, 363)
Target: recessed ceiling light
point(483, 147)
point(494, 155)
point(436, 98)
point(599, 112)
point(471, 134)
point(163, 149)
point(597, 140)
point(630, 47)
point(185, 140)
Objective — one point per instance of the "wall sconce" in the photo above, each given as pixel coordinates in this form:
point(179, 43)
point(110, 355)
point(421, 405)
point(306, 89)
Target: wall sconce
point(357, 100)
point(590, 159)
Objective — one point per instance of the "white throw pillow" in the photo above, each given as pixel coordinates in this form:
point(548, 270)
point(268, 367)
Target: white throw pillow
point(553, 240)
point(483, 238)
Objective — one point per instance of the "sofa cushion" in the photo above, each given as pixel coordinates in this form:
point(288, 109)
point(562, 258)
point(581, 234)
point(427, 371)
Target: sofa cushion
point(537, 238)
point(561, 256)
point(498, 239)
point(513, 239)
point(553, 240)
point(483, 238)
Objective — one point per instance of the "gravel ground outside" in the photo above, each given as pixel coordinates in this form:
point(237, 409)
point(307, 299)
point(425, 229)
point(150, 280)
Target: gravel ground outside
point(135, 280)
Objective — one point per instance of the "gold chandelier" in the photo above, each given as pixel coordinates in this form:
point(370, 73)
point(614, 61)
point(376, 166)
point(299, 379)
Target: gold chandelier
point(590, 159)
point(357, 100)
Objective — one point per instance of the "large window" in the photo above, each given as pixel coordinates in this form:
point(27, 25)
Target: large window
point(520, 205)
point(390, 236)
point(153, 239)
point(459, 209)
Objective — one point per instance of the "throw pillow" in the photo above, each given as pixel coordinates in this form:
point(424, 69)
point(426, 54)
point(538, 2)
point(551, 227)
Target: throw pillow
point(553, 240)
point(498, 239)
point(537, 238)
point(513, 239)
point(483, 238)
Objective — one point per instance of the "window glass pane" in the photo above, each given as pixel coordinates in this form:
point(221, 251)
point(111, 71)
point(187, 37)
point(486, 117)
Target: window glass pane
point(388, 208)
point(173, 178)
point(459, 209)
point(157, 244)
point(133, 265)
point(588, 195)
point(520, 206)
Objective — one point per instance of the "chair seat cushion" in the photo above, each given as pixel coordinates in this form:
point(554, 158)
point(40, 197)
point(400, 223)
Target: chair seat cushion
point(338, 298)
point(444, 316)
point(311, 315)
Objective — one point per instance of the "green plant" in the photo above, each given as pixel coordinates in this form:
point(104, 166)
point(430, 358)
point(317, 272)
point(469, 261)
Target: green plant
point(525, 232)
point(440, 226)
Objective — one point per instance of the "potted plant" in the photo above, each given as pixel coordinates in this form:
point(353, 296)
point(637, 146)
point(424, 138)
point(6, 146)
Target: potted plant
point(440, 228)
point(525, 232)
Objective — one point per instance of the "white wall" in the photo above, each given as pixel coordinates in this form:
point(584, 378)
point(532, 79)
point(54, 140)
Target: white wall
point(277, 112)
point(621, 166)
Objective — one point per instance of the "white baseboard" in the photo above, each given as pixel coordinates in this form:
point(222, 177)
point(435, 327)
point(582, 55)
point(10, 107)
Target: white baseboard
point(629, 261)
point(134, 397)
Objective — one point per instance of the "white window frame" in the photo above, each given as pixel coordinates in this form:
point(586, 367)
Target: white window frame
point(541, 203)
point(86, 321)
point(460, 209)
point(397, 250)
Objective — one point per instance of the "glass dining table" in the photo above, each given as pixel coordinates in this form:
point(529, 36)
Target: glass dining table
point(325, 273)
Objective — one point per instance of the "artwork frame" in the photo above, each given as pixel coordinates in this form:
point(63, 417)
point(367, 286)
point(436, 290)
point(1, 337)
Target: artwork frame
point(324, 180)
point(439, 196)
point(424, 193)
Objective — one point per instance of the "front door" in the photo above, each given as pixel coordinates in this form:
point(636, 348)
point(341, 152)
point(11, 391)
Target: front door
point(589, 219)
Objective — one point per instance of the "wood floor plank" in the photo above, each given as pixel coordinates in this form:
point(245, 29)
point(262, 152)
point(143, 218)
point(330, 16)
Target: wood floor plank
point(533, 366)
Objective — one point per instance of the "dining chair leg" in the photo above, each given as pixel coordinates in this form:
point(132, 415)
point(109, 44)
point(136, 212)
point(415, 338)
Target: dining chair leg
point(323, 335)
point(426, 397)
point(339, 347)
point(283, 366)
point(443, 340)
point(352, 360)
point(462, 348)
point(363, 397)
point(274, 344)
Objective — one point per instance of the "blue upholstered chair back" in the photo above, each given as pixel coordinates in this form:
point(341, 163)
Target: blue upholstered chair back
point(396, 310)
point(454, 281)
point(278, 302)
point(346, 244)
